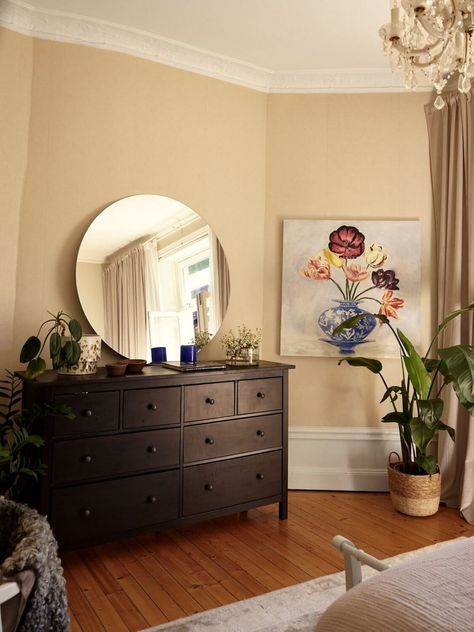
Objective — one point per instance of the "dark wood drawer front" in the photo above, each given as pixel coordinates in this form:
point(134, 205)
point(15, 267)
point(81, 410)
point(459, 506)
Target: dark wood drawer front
point(87, 512)
point(208, 401)
point(83, 459)
point(151, 407)
point(95, 412)
point(226, 483)
point(257, 396)
point(223, 438)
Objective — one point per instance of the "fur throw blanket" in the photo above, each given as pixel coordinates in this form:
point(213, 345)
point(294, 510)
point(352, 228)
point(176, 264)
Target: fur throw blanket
point(27, 542)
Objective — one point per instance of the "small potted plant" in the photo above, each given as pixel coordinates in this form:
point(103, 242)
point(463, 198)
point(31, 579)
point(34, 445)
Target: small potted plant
point(63, 350)
point(418, 408)
point(201, 339)
point(242, 349)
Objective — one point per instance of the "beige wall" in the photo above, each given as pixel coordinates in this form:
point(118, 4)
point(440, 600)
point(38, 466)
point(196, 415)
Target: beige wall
point(16, 52)
point(344, 156)
point(105, 125)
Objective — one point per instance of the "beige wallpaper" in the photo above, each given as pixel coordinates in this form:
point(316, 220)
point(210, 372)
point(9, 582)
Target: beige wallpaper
point(16, 52)
point(105, 125)
point(342, 156)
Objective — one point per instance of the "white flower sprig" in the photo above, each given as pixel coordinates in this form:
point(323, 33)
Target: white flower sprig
point(245, 339)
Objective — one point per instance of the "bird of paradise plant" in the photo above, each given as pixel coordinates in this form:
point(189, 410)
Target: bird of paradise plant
point(416, 401)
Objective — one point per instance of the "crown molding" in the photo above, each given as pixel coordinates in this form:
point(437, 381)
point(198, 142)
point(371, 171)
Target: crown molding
point(75, 29)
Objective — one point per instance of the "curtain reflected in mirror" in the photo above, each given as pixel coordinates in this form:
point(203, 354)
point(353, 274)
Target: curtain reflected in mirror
point(150, 272)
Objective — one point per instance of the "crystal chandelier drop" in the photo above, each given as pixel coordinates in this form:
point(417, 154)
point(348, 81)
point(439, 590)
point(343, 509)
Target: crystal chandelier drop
point(434, 37)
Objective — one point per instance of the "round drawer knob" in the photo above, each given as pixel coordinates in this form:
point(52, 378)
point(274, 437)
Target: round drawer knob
point(209, 401)
point(261, 395)
point(152, 449)
point(87, 458)
point(260, 433)
point(209, 440)
point(87, 413)
point(152, 407)
point(260, 477)
point(86, 513)
point(151, 499)
point(208, 487)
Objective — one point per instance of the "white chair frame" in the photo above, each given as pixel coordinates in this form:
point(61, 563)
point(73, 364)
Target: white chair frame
point(8, 590)
point(353, 560)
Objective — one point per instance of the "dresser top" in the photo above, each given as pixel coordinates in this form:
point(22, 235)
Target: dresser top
point(153, 372)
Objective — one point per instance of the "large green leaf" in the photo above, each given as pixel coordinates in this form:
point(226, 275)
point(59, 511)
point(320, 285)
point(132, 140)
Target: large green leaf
point(452, 315)
point(419, 376)
point(75, 329)
point(35, 367)
point(427, 462)
point(421, 434)
point(72, 352)
point(392, 393)
point(395, 417)
point(30, 349)
point(439, 425)
point(373, 365)
point(431, 410)
point(459, 360)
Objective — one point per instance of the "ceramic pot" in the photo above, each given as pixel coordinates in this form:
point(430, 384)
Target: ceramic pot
point(90, 354)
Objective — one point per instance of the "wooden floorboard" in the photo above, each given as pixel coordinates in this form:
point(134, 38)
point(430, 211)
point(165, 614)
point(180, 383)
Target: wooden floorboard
point(138, 582)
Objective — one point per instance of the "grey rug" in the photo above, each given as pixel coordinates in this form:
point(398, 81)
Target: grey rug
point(293, 609)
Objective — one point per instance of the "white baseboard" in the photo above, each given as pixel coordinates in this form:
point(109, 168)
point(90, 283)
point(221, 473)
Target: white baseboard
point(335, 458)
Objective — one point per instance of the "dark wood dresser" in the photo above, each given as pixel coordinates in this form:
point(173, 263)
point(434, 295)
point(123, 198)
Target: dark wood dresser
point(161, 448)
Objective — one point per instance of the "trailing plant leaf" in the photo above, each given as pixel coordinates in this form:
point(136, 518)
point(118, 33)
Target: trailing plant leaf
point(373, 365)
point(35, 367)
point(75, 329)
point(54, 344)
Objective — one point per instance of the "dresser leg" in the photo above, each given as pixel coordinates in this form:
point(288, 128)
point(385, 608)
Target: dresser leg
point(283, 509)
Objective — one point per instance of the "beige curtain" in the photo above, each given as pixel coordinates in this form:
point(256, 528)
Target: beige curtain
point(220, 279)
point(125, 304)
point(451, 145)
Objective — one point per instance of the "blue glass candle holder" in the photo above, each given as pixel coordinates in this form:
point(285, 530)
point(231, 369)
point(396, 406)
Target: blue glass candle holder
point(158, 355)
point(188, 354)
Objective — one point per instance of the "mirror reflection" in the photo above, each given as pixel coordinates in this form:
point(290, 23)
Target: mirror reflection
point(150, 272)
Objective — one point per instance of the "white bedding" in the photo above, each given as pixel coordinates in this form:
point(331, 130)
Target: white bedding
point(431, 593)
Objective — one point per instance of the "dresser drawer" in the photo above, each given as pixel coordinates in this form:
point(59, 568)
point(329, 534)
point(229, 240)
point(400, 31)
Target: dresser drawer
point(257, 396)
point(88, 512)
point(226, 483)
point(82, 459)
point(95, 412)
point(151, 407)
point(208, 401)
point(224, 438)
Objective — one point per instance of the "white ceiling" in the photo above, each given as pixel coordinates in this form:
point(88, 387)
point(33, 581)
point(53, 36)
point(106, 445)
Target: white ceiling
point(271, 45)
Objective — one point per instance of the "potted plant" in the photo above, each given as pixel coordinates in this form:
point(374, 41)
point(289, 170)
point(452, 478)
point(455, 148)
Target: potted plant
point(418, 408)
point(20, 457)
point(242, 349)
point(201, 340)
point(63, 351)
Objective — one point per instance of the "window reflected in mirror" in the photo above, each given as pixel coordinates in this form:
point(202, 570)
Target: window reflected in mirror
point(150, 272)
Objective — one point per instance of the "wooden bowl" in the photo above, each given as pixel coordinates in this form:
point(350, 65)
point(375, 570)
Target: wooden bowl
point(116, 369)
point(135, 366)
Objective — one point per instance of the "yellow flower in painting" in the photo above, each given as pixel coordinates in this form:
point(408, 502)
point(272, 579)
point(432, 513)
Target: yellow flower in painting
point(334, 259)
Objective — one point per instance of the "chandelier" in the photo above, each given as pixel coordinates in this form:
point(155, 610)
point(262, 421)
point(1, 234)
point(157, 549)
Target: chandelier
point(433, 37)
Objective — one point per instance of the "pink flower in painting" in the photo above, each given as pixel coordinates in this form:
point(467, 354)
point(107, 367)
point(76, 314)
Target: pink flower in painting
point(347, 242)
point(318, 269)
point(390, 304)
point(356, 273)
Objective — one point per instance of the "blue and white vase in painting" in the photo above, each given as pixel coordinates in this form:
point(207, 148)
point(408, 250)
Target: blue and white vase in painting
point(347, 339)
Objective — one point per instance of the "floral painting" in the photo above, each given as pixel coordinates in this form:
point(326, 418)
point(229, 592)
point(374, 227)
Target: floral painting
point(335, 269)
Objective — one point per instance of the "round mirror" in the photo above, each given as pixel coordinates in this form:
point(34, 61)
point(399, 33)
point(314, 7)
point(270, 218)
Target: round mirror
point(151, 273)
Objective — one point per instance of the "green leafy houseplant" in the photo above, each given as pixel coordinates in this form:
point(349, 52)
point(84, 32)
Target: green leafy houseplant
point(416, 401)
point(20, 458)
point(62, 352)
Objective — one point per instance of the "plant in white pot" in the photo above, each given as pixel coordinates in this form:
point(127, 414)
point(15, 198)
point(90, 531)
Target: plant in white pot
point(64, 350)
point(418, 408)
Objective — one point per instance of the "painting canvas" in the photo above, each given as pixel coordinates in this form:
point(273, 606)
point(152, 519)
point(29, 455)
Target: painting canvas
point(335, 269)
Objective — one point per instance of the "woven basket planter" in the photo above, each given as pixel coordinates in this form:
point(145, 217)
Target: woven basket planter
point(411, 494)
